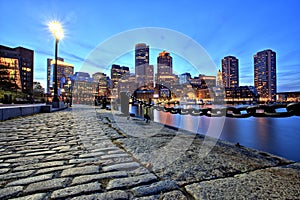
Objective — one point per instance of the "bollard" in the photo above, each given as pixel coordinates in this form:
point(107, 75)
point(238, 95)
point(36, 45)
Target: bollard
point(124, 103)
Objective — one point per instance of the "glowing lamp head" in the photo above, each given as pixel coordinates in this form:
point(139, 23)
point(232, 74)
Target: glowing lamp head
point(56, 29)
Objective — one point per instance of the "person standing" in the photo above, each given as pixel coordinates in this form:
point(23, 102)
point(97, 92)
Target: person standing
point(146, 114)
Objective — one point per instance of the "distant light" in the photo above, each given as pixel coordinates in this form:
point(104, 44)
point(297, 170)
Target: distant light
point(56, 28)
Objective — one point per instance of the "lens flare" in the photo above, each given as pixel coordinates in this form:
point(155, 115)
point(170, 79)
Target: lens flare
point(56, 28)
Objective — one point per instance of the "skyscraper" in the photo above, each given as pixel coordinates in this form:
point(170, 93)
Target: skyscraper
point(144, 73)
point(265, 74)
point(16, 69)
point(141, 54)
point(164, 64)
point(230, 71)
point(165, 74)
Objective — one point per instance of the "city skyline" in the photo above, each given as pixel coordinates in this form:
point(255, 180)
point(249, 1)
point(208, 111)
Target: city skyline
point(251, 27)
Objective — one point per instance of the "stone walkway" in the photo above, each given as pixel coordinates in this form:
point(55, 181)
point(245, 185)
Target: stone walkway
point(88, 153)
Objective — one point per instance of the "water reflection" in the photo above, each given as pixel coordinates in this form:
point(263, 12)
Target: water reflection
point(279, 136)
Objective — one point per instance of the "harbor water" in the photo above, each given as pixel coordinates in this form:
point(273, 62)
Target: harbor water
point(278, 136)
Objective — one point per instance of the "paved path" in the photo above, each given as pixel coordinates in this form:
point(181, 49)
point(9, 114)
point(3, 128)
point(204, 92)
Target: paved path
point(83, 153)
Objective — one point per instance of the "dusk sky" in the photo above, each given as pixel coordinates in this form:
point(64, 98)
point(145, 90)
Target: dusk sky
point(222, 28)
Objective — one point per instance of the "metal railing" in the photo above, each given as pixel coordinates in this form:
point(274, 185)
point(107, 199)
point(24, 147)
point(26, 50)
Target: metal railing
point(277, 110)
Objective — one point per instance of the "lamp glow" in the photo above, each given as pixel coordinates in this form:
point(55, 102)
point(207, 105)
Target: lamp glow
point(56, 28)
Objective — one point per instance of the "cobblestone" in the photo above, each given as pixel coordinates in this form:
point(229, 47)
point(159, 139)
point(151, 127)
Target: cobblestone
point(39, 165)
point(29, 180)
point(4, 170)
point(122, 183)
point(122, 166)
point(107, 175)
point(76, 161)
point(94, 154)
point(38, 196)
point(73, 154)
point(24, 160)
point(10, 191)
point(155, 188)
point(53, 169)
point(16, 175)
point(40, 153)
point(116, 194)
point(9, 156)
point(80, 171)
point(111, 156)
point(76, 190)
point(47, 185)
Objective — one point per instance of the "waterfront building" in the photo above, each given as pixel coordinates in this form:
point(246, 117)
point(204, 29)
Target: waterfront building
point(16, 69)
point(84, 88)
point(145, 75)
point(164, 64)
point(241, 94)
point(118, 72)
point(207, 81)
point(127, 85)
point(205, 94)
point(288, 96)
point(196, 82)
point(64, 70)
point(103, 84)
point(165, 76)
point(230, 71)
point(265, 74)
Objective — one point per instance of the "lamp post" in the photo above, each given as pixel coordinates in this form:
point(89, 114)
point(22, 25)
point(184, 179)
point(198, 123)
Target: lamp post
point(58, 33)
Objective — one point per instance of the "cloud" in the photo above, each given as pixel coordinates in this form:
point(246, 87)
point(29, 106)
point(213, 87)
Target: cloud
point(82, 44)
point(43, 52)
point(71, 56)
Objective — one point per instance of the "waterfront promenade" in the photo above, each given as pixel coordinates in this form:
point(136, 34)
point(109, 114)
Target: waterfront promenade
point(87, 153)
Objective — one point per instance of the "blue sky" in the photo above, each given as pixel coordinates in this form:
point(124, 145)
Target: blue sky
point(238, 28)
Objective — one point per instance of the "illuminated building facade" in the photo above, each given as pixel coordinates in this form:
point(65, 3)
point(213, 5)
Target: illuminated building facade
point(208, 81)
point(64, 70)
point(165, 76)
point(288, 96)
point(16, 69)
point(265, 74)
point(141, 54)
point(117, 72)
point(230, 71)
point(127, 84)
point(85, 89)
point(103, 84)
point(241, 94)
point(164, 64)
point(144, 73)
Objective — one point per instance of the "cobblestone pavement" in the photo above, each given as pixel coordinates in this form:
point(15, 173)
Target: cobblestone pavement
point(83, 153)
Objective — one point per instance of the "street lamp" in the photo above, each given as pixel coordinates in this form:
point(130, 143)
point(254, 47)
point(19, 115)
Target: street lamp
point(58, 33)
